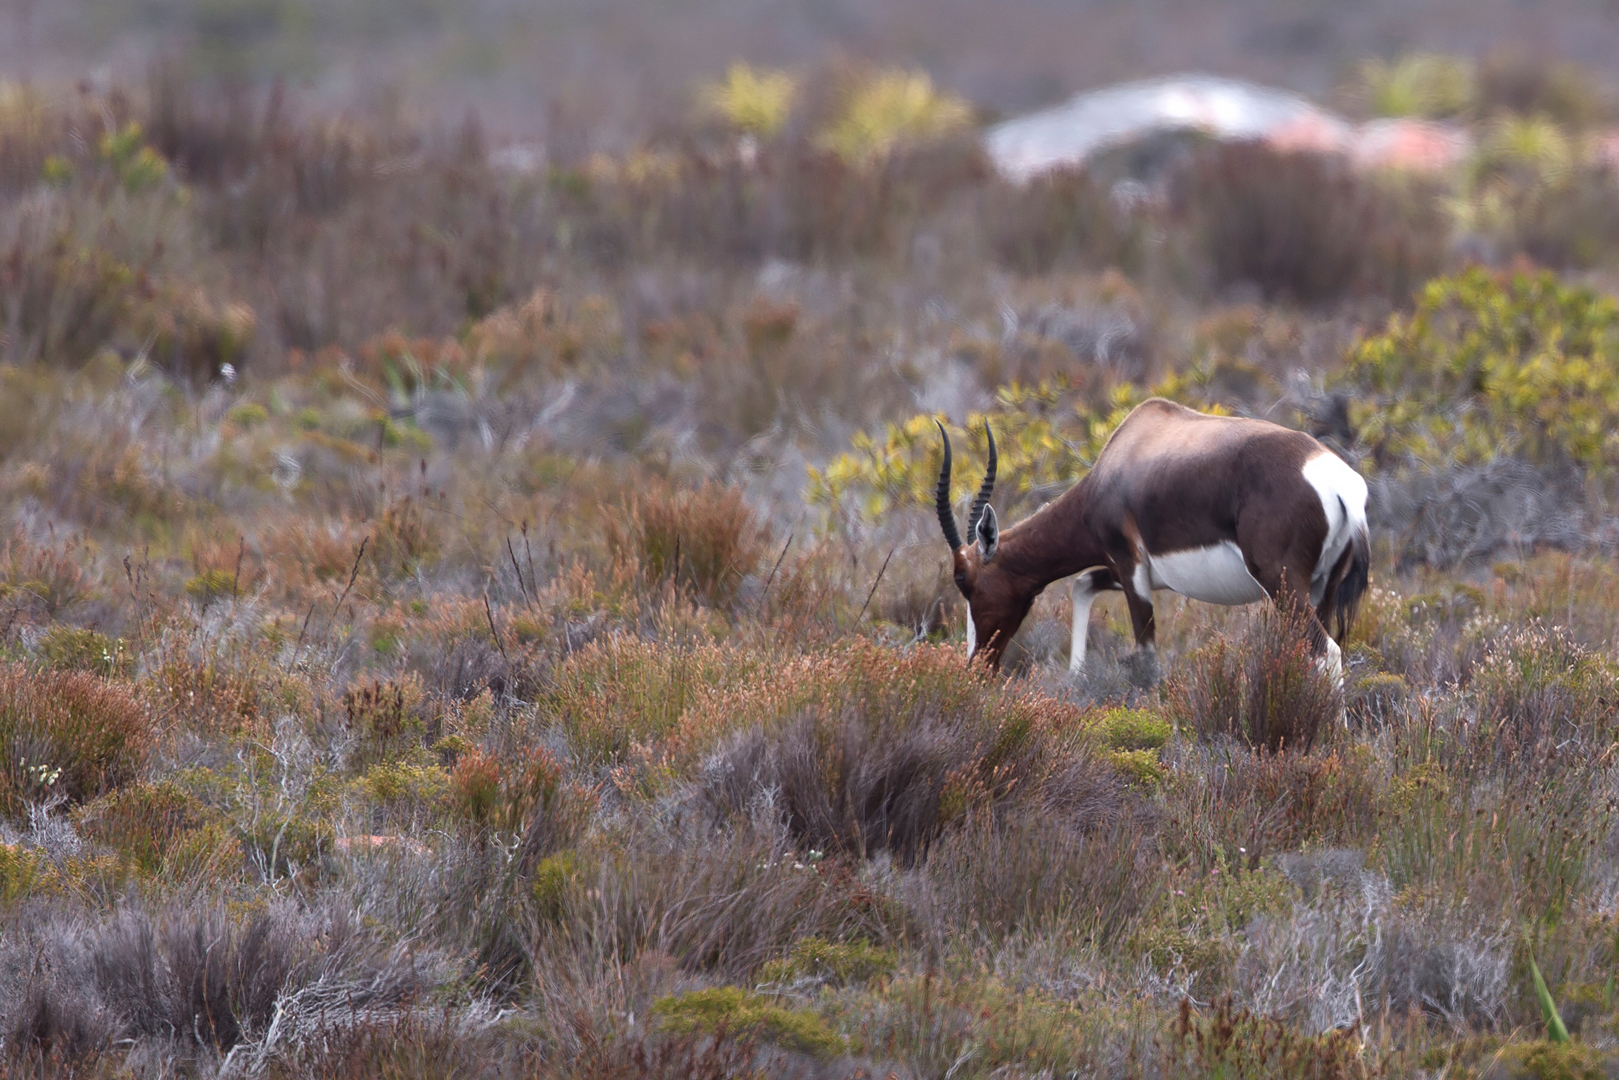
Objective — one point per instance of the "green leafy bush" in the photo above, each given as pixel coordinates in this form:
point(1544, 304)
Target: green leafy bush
point(1490, 364)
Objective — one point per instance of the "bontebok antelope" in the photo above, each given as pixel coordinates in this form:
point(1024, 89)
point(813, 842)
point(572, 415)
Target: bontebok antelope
point(1215, 508)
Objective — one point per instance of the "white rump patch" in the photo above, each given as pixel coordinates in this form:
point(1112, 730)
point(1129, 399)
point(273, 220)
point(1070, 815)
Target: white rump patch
point(1217, 574)
point(1343, 500)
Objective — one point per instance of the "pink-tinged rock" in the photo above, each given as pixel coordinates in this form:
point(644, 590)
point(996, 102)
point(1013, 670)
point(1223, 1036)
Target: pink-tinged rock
point(1605, 148)
point(375, 842)
point(1410, 145)
point(1316, 134)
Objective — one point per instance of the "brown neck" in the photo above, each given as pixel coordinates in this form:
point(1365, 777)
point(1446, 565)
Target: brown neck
point(1053, 544)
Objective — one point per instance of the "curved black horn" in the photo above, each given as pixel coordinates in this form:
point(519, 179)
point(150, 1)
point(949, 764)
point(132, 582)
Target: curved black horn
point(987, 488)
point(947, 516)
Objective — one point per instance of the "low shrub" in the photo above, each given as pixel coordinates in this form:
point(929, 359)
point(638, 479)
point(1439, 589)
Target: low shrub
point(1236, 808)
point(1062, 218)
point(144, 822)
point(1027, 872)
point(1537, 690)
point(704, 539)
point(726, 902)
point(52, 574)
point(412, 1044)
point(71, 648)
point(1231, 1042)
point(522, 795)
point(615, 694)
point(206, 978)
point(1133, 729)
point(730, 1010)
point(193, 336)
point(68, 735)
point(1491, 365)
point(1304, 227)
point(833, 963)
point(1262, 687)
point(936, 1022)
point(380, 719)
point(21, 870)
point(864, 752)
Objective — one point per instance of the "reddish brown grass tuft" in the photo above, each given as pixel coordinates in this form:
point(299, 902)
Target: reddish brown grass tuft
point(66, 734)
point(1263, 687)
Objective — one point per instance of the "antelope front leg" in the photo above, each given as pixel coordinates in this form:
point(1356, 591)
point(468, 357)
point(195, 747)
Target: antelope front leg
point(1138, 598)
point(1084, 593)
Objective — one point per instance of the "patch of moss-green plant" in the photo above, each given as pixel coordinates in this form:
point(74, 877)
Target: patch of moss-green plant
point(247, 414)
point(404, 784)
point(1133, 729)
point(211, 585)
point(1138, 766)
point(837, 962)
point(1546, 1061)
point(738, 1013)
point(72, 648)
point(553, 880)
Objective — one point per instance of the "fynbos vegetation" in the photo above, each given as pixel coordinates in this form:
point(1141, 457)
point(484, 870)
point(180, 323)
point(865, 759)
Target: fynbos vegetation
point(468, 619)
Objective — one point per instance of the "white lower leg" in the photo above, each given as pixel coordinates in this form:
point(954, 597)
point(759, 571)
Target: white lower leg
point(1332, 663)
point(1084, 597)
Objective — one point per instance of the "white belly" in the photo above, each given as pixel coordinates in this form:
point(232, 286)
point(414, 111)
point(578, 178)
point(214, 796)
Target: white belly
point(1217, 574)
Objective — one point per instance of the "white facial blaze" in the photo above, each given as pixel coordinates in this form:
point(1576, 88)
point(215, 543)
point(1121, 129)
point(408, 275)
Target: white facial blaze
point(1343, 500)
point(972, 633)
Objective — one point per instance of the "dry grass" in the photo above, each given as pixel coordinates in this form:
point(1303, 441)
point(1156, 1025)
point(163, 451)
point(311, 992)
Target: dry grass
point(1263, 687)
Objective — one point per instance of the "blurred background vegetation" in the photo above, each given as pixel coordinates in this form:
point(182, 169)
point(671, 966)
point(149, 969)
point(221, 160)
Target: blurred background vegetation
point(617, 66)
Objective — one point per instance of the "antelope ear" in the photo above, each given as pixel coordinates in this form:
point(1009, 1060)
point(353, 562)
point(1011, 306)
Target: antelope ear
point(988, 534)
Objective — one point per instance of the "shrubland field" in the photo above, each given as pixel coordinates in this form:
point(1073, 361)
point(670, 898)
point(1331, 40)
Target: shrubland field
point(471, 615)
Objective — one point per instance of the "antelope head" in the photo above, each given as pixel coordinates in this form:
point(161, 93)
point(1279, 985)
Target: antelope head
point(997, 600)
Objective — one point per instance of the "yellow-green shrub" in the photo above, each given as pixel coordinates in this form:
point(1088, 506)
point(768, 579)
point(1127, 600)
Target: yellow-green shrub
point(757, 102)
point(1490, 364)
point(736, 1012)
point(71, 648)
point(890, 109)
point(1044, 435)
point(835, 962)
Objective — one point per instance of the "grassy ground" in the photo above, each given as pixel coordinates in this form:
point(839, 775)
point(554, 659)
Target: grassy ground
point(461, 681)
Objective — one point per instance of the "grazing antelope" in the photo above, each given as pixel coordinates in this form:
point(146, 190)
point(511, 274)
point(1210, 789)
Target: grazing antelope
point(1216, 508)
